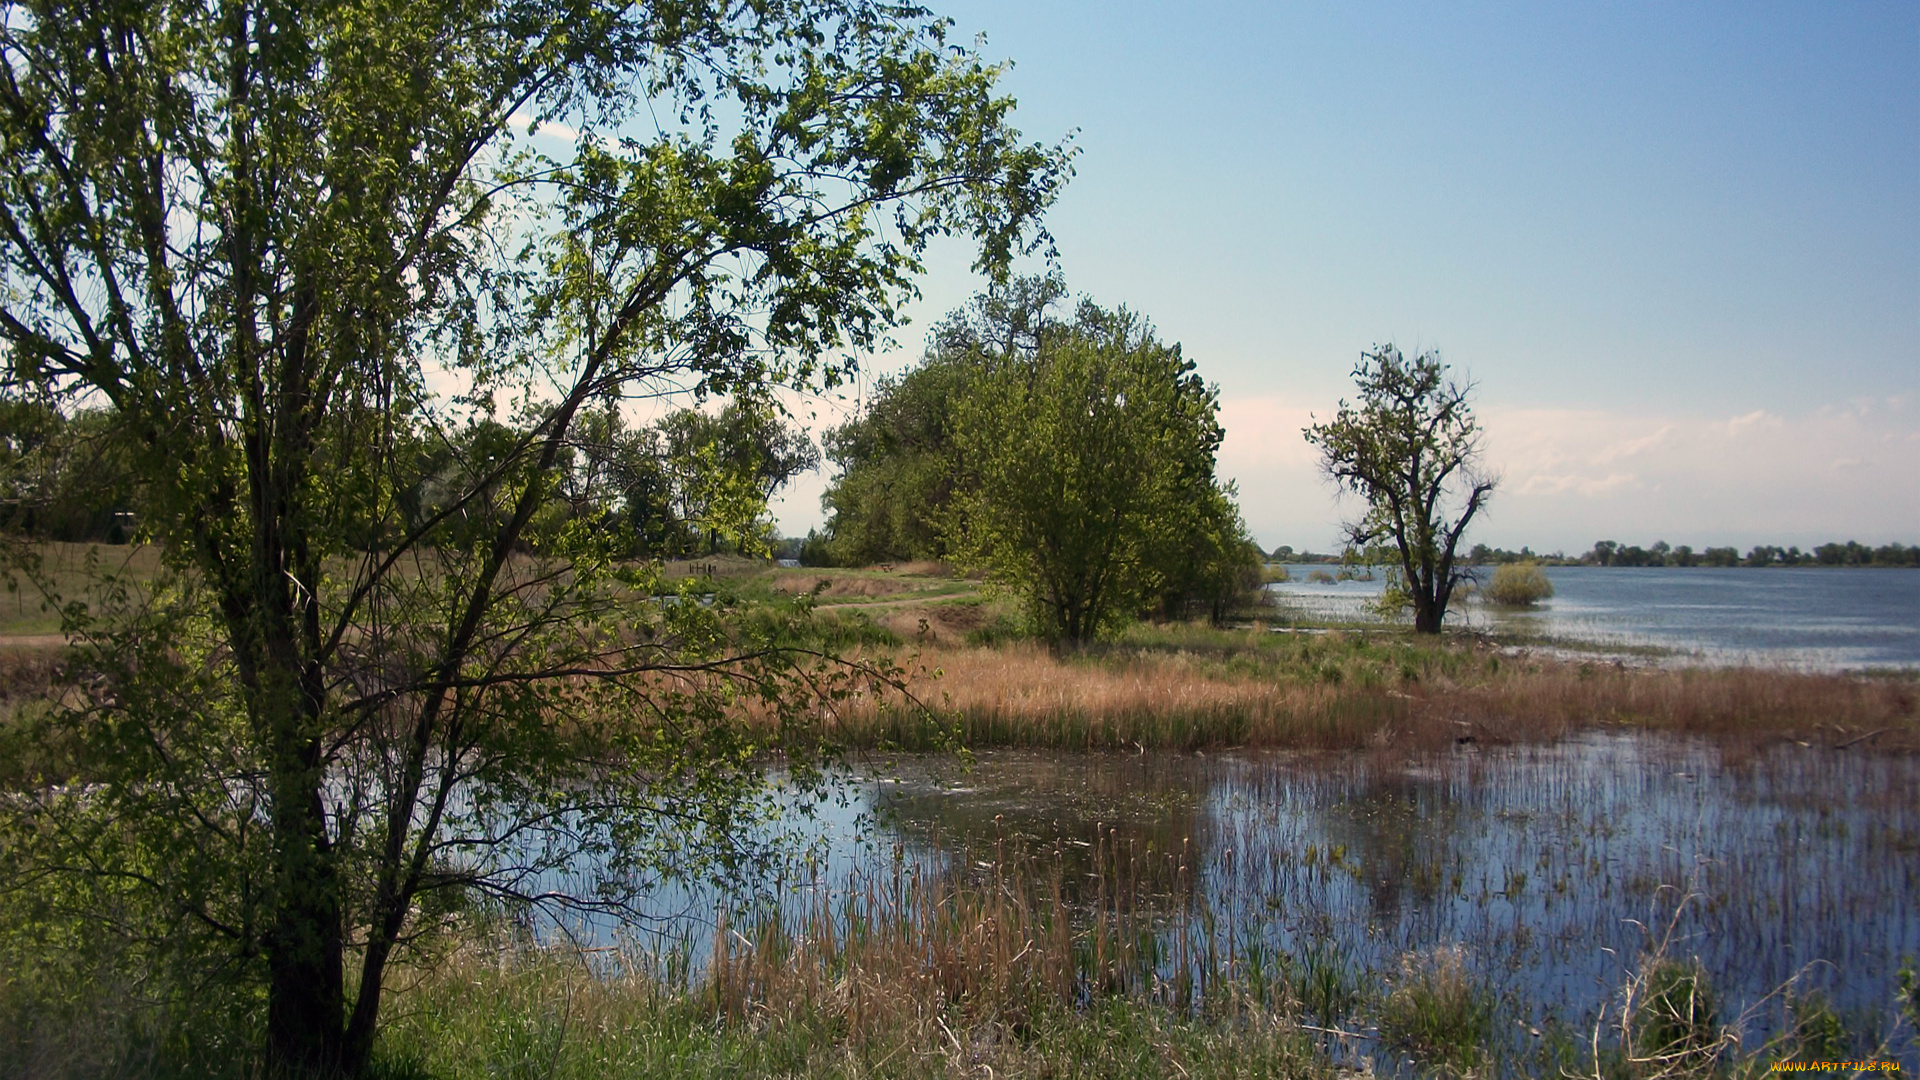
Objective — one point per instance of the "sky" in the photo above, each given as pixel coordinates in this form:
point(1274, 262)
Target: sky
point(1676, 247)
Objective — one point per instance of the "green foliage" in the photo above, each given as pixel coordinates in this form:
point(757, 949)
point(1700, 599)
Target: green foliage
point(1519, 585)
point(65, 477)
point(1409, 448)
point(1088, 448)
point(305, 254)
point(1437, 1010)
point(1072, 458)
point(897, 467)
point(1679, 1015)
point(1851, 553)
point(1818, 1032)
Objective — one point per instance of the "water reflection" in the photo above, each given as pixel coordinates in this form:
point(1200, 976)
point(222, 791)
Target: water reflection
point(1554, 867)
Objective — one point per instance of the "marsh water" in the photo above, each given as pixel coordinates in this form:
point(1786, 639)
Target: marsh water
point(1554, 869)
point(1815, 618)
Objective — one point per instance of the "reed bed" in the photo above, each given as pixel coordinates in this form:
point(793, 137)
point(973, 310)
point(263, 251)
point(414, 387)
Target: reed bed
point(1346, 694)
point(993, 964)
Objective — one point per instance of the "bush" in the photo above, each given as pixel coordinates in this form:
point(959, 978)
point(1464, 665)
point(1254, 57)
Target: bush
point(1519, 585)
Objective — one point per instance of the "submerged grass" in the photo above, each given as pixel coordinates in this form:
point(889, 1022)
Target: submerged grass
point(992, 966)
point(1000, 959)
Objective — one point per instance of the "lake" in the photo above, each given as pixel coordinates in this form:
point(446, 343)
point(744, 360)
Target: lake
point(1802, 617)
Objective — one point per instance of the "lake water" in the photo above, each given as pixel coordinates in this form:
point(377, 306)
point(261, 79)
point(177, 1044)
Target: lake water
point(1824, 619)
point(1553, 868)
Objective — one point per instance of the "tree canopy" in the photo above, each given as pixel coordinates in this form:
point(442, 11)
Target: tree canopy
point(298, 252)
point(1073, 458)
point(1411, 449)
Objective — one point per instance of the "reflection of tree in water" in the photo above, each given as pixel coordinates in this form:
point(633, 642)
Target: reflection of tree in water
point(1402, 831)
point(1117, 829)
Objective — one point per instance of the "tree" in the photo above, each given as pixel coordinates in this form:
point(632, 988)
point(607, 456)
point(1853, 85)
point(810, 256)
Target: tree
point(1411, 449)
point(724, 468)
point(897, 462)
point(297, 251)
point(1088, 449)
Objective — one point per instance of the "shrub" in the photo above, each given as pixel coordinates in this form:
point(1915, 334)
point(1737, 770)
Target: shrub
point(1519, 585)
point(1819, 1034)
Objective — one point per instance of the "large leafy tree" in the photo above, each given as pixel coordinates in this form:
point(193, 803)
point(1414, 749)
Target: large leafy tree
point(1087, 448)
point(723, 468)
point(897, 460)
point(297, 249)
point(1411, 449)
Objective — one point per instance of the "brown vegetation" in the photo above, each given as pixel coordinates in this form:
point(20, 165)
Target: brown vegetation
point(1362, 698)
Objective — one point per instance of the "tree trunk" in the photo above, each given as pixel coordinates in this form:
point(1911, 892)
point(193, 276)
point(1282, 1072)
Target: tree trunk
point(1426, 616)
point(305, 992)
point(304, 948)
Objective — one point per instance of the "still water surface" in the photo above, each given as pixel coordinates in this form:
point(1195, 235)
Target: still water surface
point(1554, 867)
point(1826, 619)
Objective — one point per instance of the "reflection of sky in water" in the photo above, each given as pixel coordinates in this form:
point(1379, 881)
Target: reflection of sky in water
point(1550, 865)
point(1817, 618)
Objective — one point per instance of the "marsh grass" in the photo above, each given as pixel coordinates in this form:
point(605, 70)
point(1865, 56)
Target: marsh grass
point(1002, 959)
point(1361, 692)
point(1438, 1010)
point(520, 1012)
point(991, 964)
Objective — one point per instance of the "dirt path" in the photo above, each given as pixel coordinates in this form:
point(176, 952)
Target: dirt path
point(32, 641)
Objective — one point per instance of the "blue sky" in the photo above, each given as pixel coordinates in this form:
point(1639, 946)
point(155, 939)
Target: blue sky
point(1676, 246)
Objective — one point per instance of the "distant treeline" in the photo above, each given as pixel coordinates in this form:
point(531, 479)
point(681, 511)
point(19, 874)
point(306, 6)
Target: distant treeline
point(1614, 553)
point(692, 483)
point(1851, 553)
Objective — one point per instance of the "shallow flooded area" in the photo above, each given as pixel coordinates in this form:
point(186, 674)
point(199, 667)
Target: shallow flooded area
point(1553, 872)
point(1551, 865)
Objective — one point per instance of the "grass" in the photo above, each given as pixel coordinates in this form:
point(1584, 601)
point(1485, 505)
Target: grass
point(535, 1014)
point(983, 968)
point(1008, 959)
point(1187, 688)
point(1437, 1011)
point(1006, 971)
point(72, 571)
point(1191, 686)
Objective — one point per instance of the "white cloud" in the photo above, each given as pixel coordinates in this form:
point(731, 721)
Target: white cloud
point(1572, 476)
point(548, 129)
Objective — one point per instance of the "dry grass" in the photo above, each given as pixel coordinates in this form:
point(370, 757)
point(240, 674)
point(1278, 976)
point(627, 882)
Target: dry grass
point(983, 970)
point(1023, 695)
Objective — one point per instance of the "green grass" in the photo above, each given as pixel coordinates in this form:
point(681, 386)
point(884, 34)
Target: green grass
point(535, 1016)
point(1438, 1012)
point(61, 573)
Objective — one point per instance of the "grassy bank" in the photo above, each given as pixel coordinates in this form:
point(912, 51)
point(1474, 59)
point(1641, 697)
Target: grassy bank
point(1194, 688)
